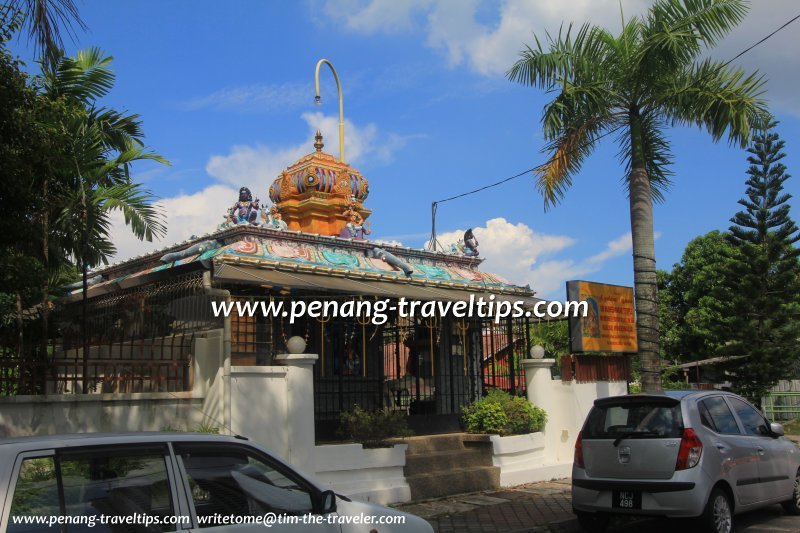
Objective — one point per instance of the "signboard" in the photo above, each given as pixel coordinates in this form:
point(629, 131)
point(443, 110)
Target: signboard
point(609, 324)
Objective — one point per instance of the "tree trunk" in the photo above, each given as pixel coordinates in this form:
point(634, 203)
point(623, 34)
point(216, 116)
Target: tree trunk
point(644, 264)
point(644, 279)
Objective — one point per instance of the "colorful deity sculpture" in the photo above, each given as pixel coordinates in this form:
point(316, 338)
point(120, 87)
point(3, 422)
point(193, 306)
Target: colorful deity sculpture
point(355, 227)
point(470, 244)
point(273, 218)
point(245, 211)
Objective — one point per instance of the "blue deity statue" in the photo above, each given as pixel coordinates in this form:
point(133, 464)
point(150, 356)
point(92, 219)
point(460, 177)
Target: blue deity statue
point(245, 211)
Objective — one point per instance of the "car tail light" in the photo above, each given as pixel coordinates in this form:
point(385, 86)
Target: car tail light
point(579, 451)
point(690, 450)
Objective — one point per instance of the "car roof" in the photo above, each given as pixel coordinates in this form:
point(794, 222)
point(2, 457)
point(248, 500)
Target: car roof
point(95, 439)
point(676, 395)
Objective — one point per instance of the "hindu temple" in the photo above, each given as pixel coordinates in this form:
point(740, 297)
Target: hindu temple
point(146, 315)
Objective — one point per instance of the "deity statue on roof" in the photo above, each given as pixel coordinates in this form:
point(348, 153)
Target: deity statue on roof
point(470, 244)
point(355, 227)
point(245, 211)
point(273, 218)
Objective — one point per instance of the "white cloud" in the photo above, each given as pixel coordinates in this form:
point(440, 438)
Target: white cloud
point(489, 45)
point(618, 246)
point(256, 98)
point(375, 16)
point(258, 166)
point(521, 255)
point(186, 215)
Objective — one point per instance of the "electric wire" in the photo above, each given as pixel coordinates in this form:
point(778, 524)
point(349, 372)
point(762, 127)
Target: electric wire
point(433, 242)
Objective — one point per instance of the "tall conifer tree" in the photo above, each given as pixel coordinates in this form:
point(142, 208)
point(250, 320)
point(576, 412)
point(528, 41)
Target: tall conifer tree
point(764, 322)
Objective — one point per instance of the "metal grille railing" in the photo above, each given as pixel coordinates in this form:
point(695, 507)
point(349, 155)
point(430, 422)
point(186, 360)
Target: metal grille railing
point(138, 340)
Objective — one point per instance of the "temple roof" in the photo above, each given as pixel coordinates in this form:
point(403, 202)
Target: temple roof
point(318, 256)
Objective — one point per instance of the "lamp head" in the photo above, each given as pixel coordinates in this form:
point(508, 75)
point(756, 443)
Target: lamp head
point(317, 100)
point(537, 352)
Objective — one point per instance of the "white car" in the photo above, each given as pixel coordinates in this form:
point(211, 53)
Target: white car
point(158, 482)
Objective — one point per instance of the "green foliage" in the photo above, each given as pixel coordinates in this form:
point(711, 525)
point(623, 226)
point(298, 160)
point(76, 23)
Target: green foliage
point(64, 166)
point(763, 281)
point(373, 429)
point(206, 427)
point(694, 300)
point(485, 417)
point(552, 336)
point(500, 413)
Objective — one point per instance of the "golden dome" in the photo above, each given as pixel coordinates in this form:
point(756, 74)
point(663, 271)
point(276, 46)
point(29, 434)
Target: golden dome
point(314, 193)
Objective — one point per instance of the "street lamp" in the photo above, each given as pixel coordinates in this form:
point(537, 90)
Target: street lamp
point(318, 101)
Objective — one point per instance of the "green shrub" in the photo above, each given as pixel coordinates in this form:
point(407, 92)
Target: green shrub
point(485, 417)
point(373, 429)
point(498, 412)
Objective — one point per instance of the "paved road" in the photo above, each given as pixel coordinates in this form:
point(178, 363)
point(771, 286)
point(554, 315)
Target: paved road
point(769, 520)
point(546, 507)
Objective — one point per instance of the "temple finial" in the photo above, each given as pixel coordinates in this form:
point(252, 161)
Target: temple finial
point(318, 141)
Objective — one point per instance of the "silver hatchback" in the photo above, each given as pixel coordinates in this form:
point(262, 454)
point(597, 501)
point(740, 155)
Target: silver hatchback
point(706, 454)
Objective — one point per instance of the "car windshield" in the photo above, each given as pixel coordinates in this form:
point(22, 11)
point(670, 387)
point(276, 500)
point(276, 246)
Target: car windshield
point(634, 420)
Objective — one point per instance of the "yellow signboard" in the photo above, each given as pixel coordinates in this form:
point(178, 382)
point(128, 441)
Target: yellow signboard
point(610, 323)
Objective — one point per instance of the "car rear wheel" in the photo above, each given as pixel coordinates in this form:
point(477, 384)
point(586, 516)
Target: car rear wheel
point(793, 506)
point(593, 522)
point(718, 516)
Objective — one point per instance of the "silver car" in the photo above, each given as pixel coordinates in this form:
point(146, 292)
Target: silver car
point(157, 482)
point(706, 454)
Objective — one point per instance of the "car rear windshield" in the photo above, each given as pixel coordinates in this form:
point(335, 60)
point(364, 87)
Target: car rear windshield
point(640, 419)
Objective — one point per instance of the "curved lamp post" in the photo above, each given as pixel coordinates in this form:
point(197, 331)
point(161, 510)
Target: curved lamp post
point(318, 100)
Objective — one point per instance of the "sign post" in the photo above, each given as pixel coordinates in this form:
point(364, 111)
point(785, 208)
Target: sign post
point(609, 324)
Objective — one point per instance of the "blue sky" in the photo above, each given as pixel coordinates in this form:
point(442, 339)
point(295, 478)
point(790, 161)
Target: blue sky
point(225, 90)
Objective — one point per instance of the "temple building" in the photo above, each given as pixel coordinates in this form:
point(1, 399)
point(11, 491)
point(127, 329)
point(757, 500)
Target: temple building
point(148, 316)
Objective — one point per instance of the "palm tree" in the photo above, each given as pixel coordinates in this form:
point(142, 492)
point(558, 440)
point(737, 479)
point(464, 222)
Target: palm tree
point(637, 84)
point(96, 180)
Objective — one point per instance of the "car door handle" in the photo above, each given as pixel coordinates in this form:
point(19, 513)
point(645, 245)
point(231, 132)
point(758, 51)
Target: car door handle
point(721, 447)
point(760, 450)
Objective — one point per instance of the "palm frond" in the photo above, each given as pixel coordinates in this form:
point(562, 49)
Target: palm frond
point(566, 59)
point(706, 20)
point(45, 19)
point(719, 98)
point(677, 31)
point(137, 206)
point(86, 77)
point(568, 151)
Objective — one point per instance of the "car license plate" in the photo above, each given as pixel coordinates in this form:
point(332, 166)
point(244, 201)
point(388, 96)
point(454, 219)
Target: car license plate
point(626, 499)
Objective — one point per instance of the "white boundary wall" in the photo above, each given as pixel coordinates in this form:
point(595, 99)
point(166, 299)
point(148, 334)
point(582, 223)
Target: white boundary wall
point(274, 407)
point(371, 475)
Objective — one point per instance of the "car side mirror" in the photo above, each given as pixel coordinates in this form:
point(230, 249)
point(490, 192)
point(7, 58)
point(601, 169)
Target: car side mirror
point(325, 502)
point(776, 429)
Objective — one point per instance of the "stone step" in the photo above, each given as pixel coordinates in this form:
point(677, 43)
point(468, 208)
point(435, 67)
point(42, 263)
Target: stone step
point(436, 443)
point(455, 481)
point(425, 463)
